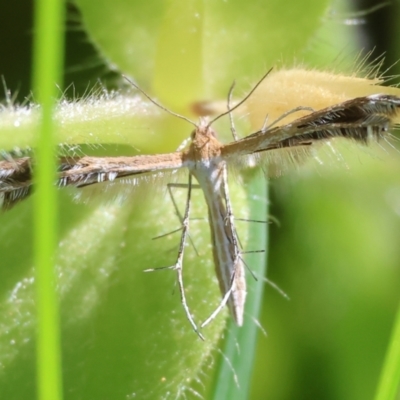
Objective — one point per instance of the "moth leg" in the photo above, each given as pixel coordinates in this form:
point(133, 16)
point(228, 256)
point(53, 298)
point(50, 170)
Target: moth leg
point(266, 127)
point(178, 266)
point(222, 303)
point(177, 212)
point(171, 194)
point(228, 104)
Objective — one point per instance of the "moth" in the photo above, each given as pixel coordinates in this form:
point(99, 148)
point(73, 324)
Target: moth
point(207, 160)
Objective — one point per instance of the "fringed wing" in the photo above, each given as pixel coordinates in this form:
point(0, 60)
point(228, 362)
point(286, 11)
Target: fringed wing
point(362, 119)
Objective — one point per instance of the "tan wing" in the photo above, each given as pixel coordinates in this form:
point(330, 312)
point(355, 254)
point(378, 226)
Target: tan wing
point(16, 173)
point(15, 180)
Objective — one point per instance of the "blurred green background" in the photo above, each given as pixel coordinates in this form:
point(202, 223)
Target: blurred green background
point(335, 250)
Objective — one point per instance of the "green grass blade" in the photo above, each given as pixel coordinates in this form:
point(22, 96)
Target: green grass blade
point(48, 59)
point(238, 353)
point(388, 388)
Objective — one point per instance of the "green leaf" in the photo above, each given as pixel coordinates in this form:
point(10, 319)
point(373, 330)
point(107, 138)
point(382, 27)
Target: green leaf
point(121, 327)
point(197, 48)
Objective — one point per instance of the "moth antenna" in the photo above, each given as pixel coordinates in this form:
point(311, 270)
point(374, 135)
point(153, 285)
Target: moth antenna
point(243, 100)
point(157, 103)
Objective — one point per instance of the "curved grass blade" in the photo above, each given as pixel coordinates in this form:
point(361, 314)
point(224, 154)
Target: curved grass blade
point(389, 383)
point(236, 364)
